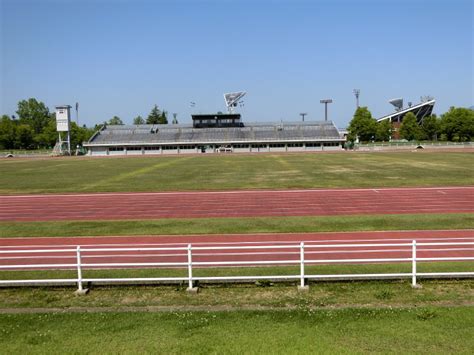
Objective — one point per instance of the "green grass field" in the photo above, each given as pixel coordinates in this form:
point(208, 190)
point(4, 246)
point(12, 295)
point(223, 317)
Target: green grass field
point(333, 317)
point(269, 171)
point(276, 295)
point(237, 225)
point(424, 330)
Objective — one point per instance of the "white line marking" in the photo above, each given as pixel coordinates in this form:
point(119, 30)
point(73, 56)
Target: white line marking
point(238, 192)
point(402, 231)
point(269, 242)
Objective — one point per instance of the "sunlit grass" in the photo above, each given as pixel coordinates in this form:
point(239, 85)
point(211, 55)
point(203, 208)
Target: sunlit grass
point(216, 172)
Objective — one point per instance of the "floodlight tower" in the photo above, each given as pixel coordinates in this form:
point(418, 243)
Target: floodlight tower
point(397, 103)
point(326, 102)
point(233, 99)
point(357, 93)
point(302, 114)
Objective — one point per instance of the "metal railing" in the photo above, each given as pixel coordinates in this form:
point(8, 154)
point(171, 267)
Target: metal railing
point(294, 254)
point(411, 144)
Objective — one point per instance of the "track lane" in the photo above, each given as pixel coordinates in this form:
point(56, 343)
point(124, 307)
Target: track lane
point(123, 206)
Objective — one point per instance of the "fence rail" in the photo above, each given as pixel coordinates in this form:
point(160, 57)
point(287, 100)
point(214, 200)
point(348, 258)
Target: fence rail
point(293, 254)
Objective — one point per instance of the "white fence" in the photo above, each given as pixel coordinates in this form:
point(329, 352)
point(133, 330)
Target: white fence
point(287, 254)
point(411, 145)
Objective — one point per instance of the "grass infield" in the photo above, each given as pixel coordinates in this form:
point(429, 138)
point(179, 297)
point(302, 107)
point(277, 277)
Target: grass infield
point(228, 172)
point(237, 225)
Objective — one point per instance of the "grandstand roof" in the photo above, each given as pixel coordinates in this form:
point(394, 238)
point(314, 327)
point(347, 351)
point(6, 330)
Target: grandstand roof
point(185, 134)
point(420, 110)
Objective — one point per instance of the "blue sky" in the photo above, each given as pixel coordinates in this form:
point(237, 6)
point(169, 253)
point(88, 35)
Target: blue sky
point(119, 57)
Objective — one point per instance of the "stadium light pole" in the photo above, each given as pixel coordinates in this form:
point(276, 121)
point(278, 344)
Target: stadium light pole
point(326, 102)
point(302, 114)
point(357, 93)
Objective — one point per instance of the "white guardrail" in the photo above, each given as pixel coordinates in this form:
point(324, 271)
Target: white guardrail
point(300, 251)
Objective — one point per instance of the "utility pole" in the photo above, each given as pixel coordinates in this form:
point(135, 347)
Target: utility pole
point(326, 102)
point(303, 114)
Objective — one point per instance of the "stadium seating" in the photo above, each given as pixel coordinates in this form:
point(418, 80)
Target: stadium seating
point(266, 133)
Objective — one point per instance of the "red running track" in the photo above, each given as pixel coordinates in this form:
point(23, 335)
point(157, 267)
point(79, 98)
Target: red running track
point(324, 202)
point(234, 254)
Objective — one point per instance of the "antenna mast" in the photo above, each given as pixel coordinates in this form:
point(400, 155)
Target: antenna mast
point(357, 93)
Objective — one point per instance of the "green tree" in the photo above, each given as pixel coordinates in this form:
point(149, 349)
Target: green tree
point(115, 121)
point(458, 124)
point(164, 117)
point(80, 134)
point(362, 126)
point(48, 136)
point(24, 137)
point(410, 129)
point(383, 131)
point(430, 127)
point(154, 116)
point(138, 120)
point(33, 113)
point(157, 117)
point(7, 132)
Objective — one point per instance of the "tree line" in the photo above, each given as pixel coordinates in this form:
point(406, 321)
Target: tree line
point(34, 127)
point(456, 125)
point(156, 116)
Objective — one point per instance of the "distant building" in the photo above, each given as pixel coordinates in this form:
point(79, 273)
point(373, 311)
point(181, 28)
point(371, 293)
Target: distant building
point(421, 110)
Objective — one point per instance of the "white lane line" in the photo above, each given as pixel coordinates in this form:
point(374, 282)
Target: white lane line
point(174, 193)
point(401, 231)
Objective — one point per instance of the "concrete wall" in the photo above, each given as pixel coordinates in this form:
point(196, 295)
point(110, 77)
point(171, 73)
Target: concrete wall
point(101, 151)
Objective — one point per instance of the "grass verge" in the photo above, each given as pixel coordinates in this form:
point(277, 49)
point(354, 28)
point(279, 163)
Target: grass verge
point(264, 293)
point(423, 330)
point(237, 225)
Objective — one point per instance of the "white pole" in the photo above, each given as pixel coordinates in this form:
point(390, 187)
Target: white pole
point(60, 143)
point(79, 270)
point(302, 264)
point(190, 266)
point(68, 143)
point(413, 264)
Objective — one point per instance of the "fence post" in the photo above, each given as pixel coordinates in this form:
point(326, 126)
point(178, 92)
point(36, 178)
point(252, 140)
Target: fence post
point(190, 288)
point(302, 286)
point(80, 290)
point(413, 265)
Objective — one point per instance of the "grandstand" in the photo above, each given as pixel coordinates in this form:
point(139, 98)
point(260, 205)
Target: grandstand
point(216, 134)
point(421, 110)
